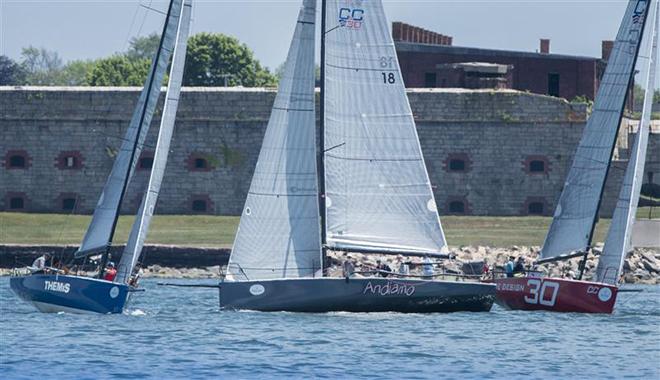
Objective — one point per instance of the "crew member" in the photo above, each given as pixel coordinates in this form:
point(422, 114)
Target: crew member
point(508, 267)
point(110, 272)
point(39, 264)
point(427, 267)
point(520, 265)
point(348, 268)
point(384, 270)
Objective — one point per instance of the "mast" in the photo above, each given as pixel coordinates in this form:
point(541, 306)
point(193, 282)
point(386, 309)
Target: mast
point(321, 154)
point(127, 175)
point(583, 262)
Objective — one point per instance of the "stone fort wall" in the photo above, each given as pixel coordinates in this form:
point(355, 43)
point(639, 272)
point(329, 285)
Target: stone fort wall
point(487, 152)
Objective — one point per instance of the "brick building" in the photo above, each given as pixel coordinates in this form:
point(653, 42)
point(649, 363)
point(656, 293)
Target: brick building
point(488, 152)
point(429, 61)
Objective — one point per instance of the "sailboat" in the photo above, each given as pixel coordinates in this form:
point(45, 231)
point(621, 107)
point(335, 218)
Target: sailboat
point(365, 188)
point(51, 290)
point(571, 232)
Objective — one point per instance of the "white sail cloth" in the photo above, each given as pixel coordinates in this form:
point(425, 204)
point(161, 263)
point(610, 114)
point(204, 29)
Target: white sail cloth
point(578, 204)
point(279, 231)
point(101, 228)
point(378, 193)
point(143, 220)
point(617, 243)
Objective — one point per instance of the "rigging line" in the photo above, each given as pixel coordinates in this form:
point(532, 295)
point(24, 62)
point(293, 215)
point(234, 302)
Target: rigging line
point(128, 34)
point(143, 19)
point(153, 9)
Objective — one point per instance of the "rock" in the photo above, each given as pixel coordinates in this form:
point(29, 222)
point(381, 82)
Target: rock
point(650, 266)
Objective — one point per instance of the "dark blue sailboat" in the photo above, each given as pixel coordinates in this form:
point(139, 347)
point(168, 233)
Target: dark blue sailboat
point(51, 289)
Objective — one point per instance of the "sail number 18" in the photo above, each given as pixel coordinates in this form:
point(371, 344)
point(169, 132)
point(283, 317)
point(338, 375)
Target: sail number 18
point(388, 78)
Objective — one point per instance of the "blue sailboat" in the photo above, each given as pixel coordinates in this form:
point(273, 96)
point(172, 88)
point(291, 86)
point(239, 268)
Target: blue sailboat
point(51, 289)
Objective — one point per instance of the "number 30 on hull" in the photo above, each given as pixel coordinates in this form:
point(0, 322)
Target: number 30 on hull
point(555, 294)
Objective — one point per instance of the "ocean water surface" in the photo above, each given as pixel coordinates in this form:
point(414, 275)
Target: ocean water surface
point(180, 333)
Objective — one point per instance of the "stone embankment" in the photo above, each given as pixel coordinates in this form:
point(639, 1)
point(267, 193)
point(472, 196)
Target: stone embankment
point(641, 266)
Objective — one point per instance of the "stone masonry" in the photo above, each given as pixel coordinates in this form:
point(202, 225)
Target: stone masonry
point(488, 152)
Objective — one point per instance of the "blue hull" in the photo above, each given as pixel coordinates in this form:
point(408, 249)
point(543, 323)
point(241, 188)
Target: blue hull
point(55, 293)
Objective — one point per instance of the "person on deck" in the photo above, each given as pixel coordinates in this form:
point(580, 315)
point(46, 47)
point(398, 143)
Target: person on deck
point(40, 263)
point(384, 270)
point(520, 265)
point(427, 267)
point(508, 267)
point(404, 269)
point(348, 268)
point(110, 272)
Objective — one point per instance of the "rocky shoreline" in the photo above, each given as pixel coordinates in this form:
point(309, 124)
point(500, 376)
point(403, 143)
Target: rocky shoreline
point(642, 266)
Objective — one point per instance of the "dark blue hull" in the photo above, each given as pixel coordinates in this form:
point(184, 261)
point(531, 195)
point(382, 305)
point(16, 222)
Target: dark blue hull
point(320, 295)
point(52, 293)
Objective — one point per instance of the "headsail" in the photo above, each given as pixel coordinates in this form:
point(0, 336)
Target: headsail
point(577, 209)
point(142, 221)
point(101, 229)
point(618, 243)
point(279, 232)
point(378, 193)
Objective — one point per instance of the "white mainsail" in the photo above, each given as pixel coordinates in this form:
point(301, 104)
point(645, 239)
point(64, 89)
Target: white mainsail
point(279, 232)
point(143, 220)
point(378, 193)
point(578, 205)
point(617, 243)
point(101, 228)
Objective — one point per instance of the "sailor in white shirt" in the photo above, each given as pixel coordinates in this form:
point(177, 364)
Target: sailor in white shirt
point(40, 262)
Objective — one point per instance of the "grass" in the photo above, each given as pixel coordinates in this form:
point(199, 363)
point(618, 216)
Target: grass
point(218, 231)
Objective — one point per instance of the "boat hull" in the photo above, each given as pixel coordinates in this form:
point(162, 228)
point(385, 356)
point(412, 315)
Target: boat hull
point(320, 295)
point(555, 294)
point(52, 293)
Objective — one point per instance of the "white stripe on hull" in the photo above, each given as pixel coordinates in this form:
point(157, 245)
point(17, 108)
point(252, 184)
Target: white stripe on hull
point(51, 308)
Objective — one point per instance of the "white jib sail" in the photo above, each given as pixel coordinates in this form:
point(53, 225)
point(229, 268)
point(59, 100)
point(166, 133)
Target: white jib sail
point(143, 220)
point(279, 232)
point(378, 193)
point(579, 201)
point(617, 243)
point(100, 229)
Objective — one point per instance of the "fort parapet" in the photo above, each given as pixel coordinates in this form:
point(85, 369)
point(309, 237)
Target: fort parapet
point(488, 152)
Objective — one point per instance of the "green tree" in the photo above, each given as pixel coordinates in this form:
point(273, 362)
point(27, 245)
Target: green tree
point(143, 47)
point(41, 66)
point(656, 96)
point(11, 73)
point(215, 60)
point(75, 73)
point(118, 70)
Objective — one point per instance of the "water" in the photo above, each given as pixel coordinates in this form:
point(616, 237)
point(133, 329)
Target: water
point(179, 332)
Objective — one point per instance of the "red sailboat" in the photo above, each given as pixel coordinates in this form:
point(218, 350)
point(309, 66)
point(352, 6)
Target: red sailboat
point(571, 232)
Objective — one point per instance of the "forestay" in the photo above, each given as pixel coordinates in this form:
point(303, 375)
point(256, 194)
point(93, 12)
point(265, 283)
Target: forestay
point(279, 232)
point(378, 193)
point(576, 211)
point(146, 211)
point(100, 231)
point(618, 239)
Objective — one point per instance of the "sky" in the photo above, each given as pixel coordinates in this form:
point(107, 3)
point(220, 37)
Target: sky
point(87, 29)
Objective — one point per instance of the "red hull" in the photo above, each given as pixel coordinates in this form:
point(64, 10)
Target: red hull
point(555, 294)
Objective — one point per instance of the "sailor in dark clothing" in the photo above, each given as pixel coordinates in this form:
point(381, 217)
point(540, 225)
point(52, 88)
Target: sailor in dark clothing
point(383, 269)
point(520, 265)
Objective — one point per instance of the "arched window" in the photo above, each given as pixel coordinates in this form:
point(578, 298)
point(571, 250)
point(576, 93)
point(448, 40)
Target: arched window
point(16, 203)
point(537, 166)
point(535, 208)
point(17, 159)
point(458, 163)
point(457, 207)
point(146, 163)
point(199, 162)
point(68, 204)
point(71, 160)
point(199, 205)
